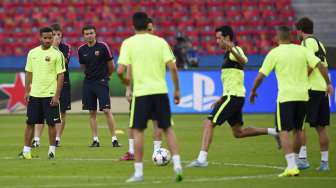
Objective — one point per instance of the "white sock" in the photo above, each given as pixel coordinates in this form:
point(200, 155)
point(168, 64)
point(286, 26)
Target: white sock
point(114, 138)
point(37, 139)
point(58, 138)
point(138, 167)
point(95, 138)
point(296, 158)
point(290, 158)
point(303, 152)
point(272, 131)
point(324, 156)
point(52, 149)
point(131, 146)
point(202, 156)
point(157, 144)
point(26, 149)
point(177, 162)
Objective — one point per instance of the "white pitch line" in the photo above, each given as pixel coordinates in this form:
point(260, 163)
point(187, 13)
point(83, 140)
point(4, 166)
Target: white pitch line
point(187, 180)
point(111, 159)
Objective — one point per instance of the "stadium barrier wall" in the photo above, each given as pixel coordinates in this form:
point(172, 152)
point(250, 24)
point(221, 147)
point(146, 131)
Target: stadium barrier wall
point(199, 89)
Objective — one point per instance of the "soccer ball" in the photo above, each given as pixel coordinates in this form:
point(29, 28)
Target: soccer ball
point(161, 157)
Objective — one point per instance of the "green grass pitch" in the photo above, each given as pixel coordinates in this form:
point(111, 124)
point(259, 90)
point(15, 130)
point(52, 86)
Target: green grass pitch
point(248, 162)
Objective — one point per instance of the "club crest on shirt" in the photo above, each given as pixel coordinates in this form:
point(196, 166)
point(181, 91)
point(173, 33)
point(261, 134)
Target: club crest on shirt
point(97, 53)
point(47, 59)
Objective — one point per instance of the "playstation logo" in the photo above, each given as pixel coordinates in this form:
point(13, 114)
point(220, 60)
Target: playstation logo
point(202, 96)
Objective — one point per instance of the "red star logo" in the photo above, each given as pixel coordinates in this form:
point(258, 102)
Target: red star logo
point(15, 92)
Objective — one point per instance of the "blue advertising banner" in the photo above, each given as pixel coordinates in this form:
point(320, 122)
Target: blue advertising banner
point(199, 89)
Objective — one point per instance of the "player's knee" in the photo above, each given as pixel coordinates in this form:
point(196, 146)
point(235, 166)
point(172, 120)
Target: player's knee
point(106, 111)
point(238, 134)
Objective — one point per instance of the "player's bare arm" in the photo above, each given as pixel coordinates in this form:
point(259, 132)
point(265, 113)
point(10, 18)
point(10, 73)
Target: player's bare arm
point(129, 92)
point(120, 72)
point(227, 45)
point(257, 82)
point(173, 70)
point(55, 99)
point(110, 65)
point(29, 78)
point(324, 72)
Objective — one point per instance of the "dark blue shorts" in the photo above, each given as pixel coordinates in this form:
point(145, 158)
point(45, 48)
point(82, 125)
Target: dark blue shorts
point(93, 90)
point(146, 107)
point(151, 116)
point(39, 110)
point(318, 110)
point(228, 109)
point(65, 99)
point(290, 115)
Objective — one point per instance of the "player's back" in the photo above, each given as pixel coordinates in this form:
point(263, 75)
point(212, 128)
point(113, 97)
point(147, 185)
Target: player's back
point(148, 55)
point(291, 69)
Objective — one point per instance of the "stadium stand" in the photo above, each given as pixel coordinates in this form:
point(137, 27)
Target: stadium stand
point(254, 21)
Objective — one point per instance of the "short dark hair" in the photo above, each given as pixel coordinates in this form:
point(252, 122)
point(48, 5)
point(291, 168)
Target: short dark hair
point(284, 33)
point(45, 30)
point(149, 20)
point(306, 25)
point(226, 31)
point(140, 21)
point(87, 27)
point(56, 27)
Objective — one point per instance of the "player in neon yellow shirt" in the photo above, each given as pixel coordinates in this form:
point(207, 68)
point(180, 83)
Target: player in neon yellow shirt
point(148, 56)
point(318, 110)
point(290, 63)
point(230, 106)
point(45, 74)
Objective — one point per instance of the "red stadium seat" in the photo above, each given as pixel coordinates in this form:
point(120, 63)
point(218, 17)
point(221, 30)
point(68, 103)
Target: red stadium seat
point(195, 19)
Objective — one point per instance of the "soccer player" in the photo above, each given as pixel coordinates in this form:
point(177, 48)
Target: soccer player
point(157, 135)
point(148, 56)
point(45, 69)
point(318, 110)
point(97, 61)
point(290, 63)
point(65, 98)
point(229, 107)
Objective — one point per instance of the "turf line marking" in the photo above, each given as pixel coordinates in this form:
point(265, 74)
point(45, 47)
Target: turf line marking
point(168, 180)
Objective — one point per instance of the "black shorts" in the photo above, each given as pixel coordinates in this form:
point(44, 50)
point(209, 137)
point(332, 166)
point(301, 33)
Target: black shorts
point(39, 110)
point(290, 115)
point(145, 107)
point(65, 99)
point(151, 116)
point(230, 109)
point(318, 110)
point(93, 90)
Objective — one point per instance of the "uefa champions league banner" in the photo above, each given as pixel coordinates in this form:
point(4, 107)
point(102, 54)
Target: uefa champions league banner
point(200, 89)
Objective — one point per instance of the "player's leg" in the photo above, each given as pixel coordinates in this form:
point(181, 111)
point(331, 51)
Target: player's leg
point(129, 155)
point(140, 108)
point(103, 93)
point(111, 125)
point(35, 116)
point(65, 104)
point(286, 122)
point(60, 128)
point(157, 135)
point(52, 115)
point(37, 135)
point(94, 128)
point(302, 156)
point(220, 113)
point(162, 114)
point(324, 148)
point(322, 122)
point(89, 101)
